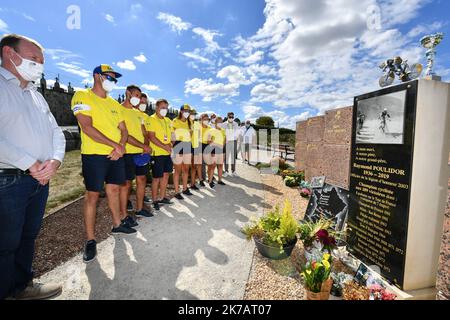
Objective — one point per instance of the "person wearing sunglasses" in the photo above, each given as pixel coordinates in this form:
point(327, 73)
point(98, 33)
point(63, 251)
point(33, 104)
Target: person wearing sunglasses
point(103, 138)
point(232, 133)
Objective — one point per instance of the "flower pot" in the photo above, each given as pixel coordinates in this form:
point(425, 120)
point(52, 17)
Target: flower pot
point(312, 296)
point(326, 289)
point(274, 253)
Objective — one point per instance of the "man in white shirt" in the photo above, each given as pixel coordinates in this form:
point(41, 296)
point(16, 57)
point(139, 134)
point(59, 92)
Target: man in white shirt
point(232, 132)
point(32, 148)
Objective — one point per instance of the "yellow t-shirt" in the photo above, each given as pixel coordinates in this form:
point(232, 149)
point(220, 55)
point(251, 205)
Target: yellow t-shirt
point(181, 130)
point(106, 116)
point(134, 120)
point(205, 134)
point(196, 131)
point(161, 128)
point(217, 136)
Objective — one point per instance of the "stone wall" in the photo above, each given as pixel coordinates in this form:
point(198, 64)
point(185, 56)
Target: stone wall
point(60, 106)
point(323, 146)
point(443, 282)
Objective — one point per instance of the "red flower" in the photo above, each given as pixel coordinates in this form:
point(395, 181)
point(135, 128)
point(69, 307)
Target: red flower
point(322, 234)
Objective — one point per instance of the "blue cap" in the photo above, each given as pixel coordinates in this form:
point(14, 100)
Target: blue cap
point(142, 160)
point(104, 68)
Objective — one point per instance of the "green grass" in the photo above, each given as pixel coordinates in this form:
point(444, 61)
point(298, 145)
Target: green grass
point(68, 183)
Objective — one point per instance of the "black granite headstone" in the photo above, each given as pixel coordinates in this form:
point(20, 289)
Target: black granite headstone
point(381, 167)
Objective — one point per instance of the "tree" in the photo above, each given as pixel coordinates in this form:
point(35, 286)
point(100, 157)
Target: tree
point(265, 122)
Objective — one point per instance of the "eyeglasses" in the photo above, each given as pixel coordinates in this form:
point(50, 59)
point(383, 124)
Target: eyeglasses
point(108, 77)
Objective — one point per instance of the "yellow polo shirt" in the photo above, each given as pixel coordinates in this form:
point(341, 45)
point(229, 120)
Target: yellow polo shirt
point(218, 136)
point(134, 120)
point(196, 131)
point(162, 130)
point(205, 134)
point(181, 130)
point(106, 116)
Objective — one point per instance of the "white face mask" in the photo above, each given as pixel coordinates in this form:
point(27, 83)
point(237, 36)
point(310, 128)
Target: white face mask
point(205, 122)
point(230, 120)
point(29, 70)
point(108, 86)
point(135, 101)
point(192, 118)
point(186, 115)
point(163, 112)
point(213, 121)
point(143, 107)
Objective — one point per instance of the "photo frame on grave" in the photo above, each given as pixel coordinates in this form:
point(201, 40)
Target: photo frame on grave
point(362, 274)
point(318, 182)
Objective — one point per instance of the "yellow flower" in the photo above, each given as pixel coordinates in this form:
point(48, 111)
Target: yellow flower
point(326, 256)
point(308, 272)
point(326, 264)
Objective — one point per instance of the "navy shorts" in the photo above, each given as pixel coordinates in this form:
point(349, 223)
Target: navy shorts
point(132, 170)
point(98, 170)
point(161, 165)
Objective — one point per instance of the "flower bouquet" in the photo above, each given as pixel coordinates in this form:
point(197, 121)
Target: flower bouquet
point(316, 275)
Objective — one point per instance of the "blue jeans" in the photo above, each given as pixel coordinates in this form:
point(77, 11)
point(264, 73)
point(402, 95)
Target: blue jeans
point(22, 207)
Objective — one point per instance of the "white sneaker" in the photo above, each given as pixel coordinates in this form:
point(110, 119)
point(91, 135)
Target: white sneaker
point(234, 174)
point(225, 174)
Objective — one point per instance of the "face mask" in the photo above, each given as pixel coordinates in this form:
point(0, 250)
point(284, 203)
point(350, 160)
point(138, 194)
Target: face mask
point(205, 123)
point(192, 118)
point(163, 112)
point(143, 107)
point(230, 120)
point(247, 126)
point(213, 121)
point(108, 85)
point(29, 70)
point(135, 101)
point(186, 115)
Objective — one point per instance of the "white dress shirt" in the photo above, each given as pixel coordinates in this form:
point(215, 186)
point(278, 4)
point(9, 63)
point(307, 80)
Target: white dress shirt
point(28, 130)
point(231, 129)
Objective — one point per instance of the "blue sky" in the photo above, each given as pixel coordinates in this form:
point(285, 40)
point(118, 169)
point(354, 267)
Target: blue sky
point(289, 59)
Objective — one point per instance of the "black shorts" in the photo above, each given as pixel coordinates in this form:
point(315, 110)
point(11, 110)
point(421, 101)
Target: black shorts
point(132, 170)
point(98, 170)
point(182, 148)
point(161, 165)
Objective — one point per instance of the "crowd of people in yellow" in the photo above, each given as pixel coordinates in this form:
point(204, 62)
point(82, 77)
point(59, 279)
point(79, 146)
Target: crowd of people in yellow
point(120, 142)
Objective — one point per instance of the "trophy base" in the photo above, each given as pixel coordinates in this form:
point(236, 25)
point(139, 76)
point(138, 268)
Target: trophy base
point(433, 78)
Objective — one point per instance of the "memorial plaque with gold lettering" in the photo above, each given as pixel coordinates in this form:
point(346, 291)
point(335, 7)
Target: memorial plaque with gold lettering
point(381, 169)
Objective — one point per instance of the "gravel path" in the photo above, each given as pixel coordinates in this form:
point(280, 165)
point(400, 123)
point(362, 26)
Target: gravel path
point(278, 280)
point(190, 250)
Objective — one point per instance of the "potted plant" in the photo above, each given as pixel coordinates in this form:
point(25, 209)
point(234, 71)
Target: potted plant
point(339, 281)
point(305, 193)
point(275, 234)
point(318, 235)
point(316, 275)
point(290, 182)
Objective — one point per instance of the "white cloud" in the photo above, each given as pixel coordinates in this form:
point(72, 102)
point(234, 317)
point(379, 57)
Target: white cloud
point(109, 18)
point(28, 17)
point(196, 56)
point(423, 29)
point(253, 58)
point(126, 65)
point(3, 26)
point(323, 52)
point(210, 90)
point(234, 74)
point(175, 23)
point(281, 118)
point(150, 87)
point(208, 36)
point(61, 54)
point(74, 68)
point(141, 58)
